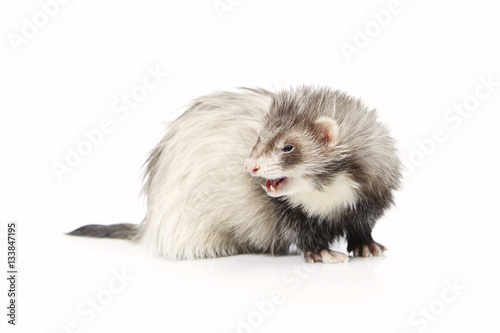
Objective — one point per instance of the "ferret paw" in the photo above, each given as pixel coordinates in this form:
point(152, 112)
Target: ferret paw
point(374, 249)
point(326, 257)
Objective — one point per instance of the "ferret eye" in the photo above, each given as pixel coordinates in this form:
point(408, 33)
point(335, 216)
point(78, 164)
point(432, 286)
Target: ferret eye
point(287, 148)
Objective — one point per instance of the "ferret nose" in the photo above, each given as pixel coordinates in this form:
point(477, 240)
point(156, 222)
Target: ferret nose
point(252, 166)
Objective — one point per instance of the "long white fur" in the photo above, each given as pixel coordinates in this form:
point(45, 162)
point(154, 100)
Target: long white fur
point(190, 213)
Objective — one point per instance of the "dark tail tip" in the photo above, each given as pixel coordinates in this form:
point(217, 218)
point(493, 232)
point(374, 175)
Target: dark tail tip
point(119, 231)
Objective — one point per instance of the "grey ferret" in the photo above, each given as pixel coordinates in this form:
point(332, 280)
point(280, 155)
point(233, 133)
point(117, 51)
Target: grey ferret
point(255, 171)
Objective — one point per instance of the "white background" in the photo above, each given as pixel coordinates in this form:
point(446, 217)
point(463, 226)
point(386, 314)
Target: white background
point(64, 80)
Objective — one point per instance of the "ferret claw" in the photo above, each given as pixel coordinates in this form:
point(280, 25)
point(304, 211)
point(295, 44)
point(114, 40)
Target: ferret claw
point(326, 257)
point(372, 249)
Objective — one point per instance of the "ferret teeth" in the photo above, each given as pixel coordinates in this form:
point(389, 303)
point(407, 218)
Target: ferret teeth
point(273, 189)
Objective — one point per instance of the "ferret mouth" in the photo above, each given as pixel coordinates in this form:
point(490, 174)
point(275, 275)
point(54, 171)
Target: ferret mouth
point(273, 186)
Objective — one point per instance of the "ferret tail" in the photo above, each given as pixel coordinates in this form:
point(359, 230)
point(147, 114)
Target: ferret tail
point(120, 231)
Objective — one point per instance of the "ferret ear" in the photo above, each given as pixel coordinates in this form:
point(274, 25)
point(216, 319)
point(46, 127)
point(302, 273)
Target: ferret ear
point(328, 130)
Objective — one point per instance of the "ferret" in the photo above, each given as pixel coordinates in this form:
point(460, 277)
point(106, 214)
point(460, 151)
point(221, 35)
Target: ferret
point(254, 171)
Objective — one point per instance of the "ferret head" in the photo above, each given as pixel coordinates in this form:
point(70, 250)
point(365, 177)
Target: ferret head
point(297, 145)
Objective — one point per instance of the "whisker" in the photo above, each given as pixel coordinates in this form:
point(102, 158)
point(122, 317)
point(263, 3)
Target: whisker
point(239, 155)
point(244, 143)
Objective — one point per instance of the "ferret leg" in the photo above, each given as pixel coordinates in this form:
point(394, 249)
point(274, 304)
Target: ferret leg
point(361, 243)
point(326, 257)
